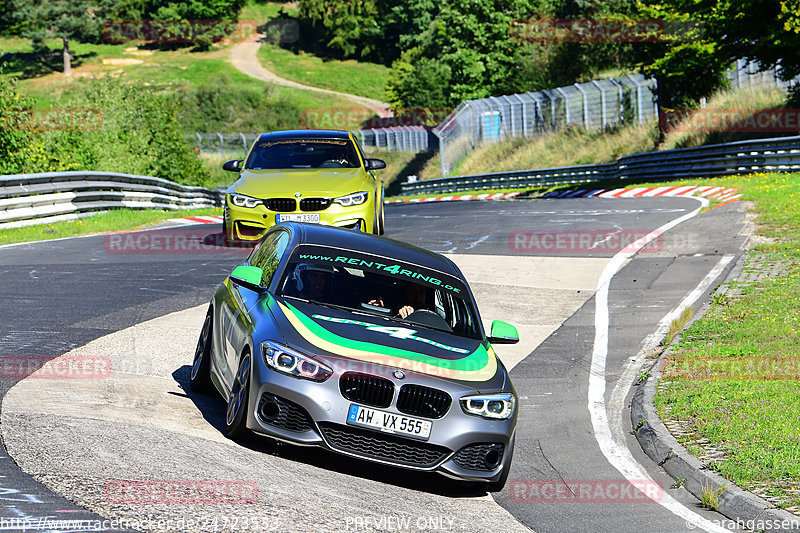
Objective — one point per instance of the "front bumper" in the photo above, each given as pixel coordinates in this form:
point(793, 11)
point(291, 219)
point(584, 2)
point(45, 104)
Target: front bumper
point(249, 224)
point(315, 414)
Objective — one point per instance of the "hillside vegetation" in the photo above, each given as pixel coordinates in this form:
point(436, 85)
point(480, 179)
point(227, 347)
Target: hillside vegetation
point(576, 146)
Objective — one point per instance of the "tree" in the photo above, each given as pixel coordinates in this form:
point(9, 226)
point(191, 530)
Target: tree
point(715, 33)
point(39, 20)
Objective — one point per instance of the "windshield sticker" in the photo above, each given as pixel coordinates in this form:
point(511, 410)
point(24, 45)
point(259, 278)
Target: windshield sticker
point(396, 332)
point(395, 269)
point(337, 142)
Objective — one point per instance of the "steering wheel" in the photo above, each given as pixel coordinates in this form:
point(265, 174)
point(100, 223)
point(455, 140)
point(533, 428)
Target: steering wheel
point(426, 317)
point(333, 163)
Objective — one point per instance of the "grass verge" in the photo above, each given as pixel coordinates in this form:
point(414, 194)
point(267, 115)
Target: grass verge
point(733, 379)
point(115, 220)
point(346, 76)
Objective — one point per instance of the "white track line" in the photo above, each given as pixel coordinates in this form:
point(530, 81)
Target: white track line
point(618, 454)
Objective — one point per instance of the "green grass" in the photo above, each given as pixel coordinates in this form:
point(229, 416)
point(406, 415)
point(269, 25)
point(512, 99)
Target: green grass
point(263, 11)
point(348, 76)
point(115, 220)
point(165, 69)
point(734, 376)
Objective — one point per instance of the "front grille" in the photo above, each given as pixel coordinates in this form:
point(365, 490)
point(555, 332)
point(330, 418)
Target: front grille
point(366, 389)
point(282, 205)
point(423, 401)
point(314, 204)
point(288, 414)
point(374, 445)
point(474, 456)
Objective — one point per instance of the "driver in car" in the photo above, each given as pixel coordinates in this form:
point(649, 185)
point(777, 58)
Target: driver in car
point(414, 300)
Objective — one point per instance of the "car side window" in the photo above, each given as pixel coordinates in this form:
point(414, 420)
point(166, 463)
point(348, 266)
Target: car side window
point(269, 254)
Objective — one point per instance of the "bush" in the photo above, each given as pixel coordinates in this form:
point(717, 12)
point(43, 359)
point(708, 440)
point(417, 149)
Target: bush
point(219, 105)
point(130, 128)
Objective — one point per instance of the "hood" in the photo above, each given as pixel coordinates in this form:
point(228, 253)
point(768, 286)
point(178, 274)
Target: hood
point(280, 183)
point(382, 341)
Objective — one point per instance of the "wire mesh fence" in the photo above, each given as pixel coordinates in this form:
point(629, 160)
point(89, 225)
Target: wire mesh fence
point(594, 106)
point(394, 139)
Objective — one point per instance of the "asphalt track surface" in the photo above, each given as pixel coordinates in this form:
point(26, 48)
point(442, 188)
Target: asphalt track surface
point(60, 295)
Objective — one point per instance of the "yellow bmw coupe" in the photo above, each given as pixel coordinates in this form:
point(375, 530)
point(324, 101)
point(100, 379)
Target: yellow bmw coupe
point(317, 176)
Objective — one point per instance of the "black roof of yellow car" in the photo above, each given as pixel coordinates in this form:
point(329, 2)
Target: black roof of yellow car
point(346, 239)
point(304, 134)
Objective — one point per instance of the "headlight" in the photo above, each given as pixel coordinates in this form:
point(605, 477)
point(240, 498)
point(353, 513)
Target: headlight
point(357, 198)
point(295, 364)
point(240, 200)
point(497, 406)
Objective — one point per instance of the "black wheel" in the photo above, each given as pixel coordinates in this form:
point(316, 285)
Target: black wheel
point(226, 239)
point(238, 402)
point(200, 378)
point(379, 219)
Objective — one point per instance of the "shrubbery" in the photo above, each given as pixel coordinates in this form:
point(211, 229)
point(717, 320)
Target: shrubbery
point(219, 105)
point(132, 129)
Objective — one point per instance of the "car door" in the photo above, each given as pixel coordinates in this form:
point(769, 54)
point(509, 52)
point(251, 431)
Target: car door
point(237, 323)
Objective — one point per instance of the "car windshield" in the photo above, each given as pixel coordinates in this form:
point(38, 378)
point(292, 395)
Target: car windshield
point(302, 153)
point(393, 290)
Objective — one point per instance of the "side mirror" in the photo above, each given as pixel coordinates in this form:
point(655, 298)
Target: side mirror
point(503, 333)
point(249, 277)
point(232, 166)
point(374, 164)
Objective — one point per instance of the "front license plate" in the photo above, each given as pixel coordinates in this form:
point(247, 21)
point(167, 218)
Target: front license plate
point(389, 422)
point(298, 217)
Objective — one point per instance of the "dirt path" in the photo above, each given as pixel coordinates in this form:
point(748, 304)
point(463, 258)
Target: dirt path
point(244, 57)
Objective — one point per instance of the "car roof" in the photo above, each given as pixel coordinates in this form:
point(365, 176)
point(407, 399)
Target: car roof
point(358, 241)
point(304, 134)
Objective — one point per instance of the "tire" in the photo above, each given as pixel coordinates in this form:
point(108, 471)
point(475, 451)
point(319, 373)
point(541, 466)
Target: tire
point(238, 401)
point(379, 221)
point(225, 238)
point(200, 377)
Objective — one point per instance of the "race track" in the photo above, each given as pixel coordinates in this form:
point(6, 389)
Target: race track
point(533, 263)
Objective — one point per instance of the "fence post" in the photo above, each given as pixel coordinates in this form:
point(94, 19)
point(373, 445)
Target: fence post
point(566, 105)
point(585, 106)
point(602, 103)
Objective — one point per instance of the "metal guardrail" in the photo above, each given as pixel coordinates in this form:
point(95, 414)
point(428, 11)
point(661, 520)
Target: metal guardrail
point(745, 157)
point(27, 199)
